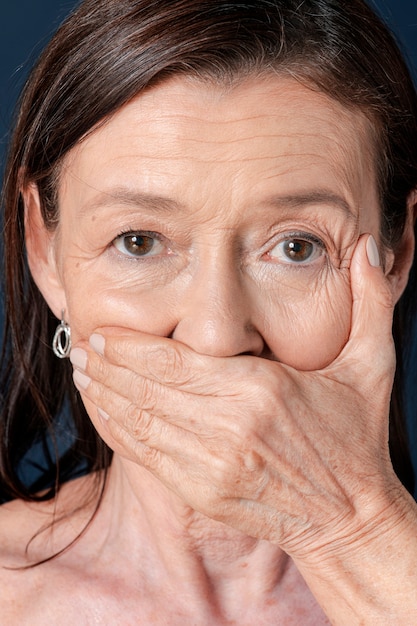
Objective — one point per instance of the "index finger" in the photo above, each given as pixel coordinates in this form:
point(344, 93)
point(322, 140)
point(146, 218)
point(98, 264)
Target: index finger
point(159, 359)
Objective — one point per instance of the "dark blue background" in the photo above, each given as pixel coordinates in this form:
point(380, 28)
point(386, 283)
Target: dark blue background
point(26, 25)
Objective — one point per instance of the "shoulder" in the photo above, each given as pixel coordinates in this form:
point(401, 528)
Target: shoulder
point(29, 530)
point(18, 520)
point(19, 585)
point(31, 533)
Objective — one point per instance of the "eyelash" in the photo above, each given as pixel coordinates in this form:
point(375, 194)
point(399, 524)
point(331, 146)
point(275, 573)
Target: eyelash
point(287, 238)
point(145, 234)
point(300, 237)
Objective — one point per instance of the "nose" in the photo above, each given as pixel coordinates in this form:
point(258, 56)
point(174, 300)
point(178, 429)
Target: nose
point(215, 317)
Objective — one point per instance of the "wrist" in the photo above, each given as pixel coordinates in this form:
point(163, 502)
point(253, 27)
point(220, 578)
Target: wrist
point(367, 574)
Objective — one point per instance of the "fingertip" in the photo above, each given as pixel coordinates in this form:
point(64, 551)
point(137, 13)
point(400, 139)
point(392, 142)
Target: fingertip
point(366, 259)
point(104, 417)
point(370, 287)
point(372, 252)
point(97, 342)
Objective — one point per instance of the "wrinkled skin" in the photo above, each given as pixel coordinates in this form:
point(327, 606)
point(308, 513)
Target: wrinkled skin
point(251, 442)
point(241, 345)
point(225, 183)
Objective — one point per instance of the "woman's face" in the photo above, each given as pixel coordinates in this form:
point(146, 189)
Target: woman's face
point(222, 217)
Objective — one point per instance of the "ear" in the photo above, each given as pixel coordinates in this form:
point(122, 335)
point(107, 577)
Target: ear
point(401, 261)
point(40, 247)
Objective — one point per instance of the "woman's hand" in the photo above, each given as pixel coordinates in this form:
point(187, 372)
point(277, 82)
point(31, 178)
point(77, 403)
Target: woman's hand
point(280, 454)
point(298, 458)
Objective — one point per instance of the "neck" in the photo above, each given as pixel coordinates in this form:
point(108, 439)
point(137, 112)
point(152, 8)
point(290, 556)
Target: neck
point(142, 516)
point(149, 534)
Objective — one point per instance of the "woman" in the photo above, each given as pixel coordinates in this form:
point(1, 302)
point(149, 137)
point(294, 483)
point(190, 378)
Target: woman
point(217, 200)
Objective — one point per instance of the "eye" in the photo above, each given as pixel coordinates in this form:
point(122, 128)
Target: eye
point(139, 244)
point(298, 249)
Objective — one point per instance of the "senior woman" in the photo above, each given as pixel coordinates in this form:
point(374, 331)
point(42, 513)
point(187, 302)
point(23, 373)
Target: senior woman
point(216, 200)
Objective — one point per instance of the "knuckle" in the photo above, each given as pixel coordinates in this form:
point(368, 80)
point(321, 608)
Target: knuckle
point(166, 364)
point(263, 395)
point(143, 392)
point(138, 422)
point(238, 427)
point(224, 473)
point(240, 473)
point(151, 458)
point(222, 466)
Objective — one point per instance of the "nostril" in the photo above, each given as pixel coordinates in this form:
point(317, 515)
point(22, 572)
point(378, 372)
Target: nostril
point(218, 332)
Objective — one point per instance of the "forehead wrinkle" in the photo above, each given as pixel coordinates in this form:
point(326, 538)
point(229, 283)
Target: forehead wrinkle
point(262, 147)
point(130, 198)
point(309, 197)
point(357, 154)
point(345, 152)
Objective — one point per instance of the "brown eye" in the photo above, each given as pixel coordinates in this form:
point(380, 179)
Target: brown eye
point(297, 250)
point(138, 244)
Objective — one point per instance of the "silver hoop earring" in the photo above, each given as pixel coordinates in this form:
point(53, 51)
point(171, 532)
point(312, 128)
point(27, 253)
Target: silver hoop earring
point(61, 343)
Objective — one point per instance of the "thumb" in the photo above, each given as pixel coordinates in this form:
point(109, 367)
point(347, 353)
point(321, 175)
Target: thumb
point(370, 347)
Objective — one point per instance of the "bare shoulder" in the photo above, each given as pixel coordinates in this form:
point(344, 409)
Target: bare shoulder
point(30, 533)
point(19, 584)
point(19, 522)
point(29, 530)
point(36, 589)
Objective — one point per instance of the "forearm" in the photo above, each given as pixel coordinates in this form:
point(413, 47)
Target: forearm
point(372, 577)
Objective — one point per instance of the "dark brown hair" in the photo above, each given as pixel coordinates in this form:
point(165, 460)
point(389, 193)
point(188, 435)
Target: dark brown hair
point(105, 53)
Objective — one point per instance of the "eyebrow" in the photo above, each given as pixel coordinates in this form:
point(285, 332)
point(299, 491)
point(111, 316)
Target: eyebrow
point(311, 197)
point(128, 197)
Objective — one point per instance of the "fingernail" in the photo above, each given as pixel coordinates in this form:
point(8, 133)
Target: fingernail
point(104, 416)
point(97, 342)
point(81, 380)
point(78, 358)
point(372, 252)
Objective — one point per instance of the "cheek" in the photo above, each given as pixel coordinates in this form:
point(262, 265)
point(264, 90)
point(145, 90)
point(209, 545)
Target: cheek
point(93, 304)
point(310, 331)
point(304, 328)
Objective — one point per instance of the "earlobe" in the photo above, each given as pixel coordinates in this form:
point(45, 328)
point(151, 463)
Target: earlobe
point(40, 248)
point(403, 257)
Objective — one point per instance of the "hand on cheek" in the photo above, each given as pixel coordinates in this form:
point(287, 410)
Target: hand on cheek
point(258, 445)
